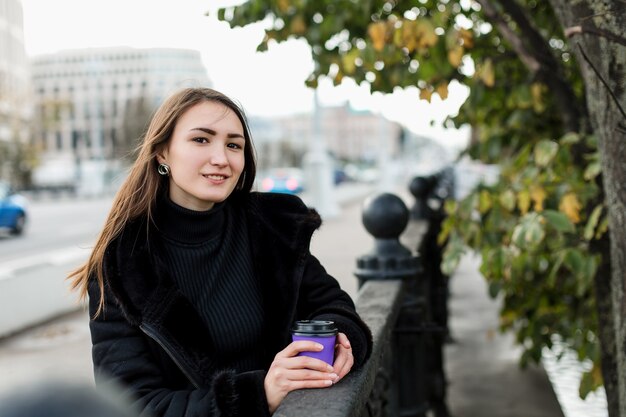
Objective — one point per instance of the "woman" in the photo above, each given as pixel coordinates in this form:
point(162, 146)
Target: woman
point(195, 281)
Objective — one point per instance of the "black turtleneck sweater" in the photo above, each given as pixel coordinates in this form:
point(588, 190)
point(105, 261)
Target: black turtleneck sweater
point(208, 255)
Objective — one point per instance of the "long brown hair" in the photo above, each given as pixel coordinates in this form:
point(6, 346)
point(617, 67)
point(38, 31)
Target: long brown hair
point(138, 194)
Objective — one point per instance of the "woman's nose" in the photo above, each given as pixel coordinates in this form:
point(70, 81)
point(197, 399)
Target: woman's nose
point(218, 157)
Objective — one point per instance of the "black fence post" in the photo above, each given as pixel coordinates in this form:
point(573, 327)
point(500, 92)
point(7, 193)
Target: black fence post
point(431, 199)
point(421, 187)
point(385, 217)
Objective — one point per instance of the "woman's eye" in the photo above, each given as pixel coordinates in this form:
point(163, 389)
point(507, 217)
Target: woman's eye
point(235, 146)
point(200, 140)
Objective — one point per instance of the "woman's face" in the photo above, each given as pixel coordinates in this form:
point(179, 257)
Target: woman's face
point(205, 155)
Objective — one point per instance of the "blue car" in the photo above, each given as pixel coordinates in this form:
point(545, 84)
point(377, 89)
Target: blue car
point(12, 210)
point(283, 180)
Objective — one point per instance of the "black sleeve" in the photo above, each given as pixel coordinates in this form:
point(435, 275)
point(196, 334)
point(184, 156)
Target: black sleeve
point(322, 298)
point(122, 355)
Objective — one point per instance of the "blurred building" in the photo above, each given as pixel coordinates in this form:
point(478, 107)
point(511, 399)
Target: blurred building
point(267, 137)
point(92, 105)
point(350, 135)
point(15, 89)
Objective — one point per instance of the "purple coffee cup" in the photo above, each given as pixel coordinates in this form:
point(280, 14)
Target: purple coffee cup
point(323, 332)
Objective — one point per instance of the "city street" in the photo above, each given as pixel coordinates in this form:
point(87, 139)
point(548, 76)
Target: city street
point(481, 364)
point(54, 227)
point(60, 349)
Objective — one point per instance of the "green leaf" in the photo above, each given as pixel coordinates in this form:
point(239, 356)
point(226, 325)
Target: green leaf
point(574, 260)
point(586, 385)
point(484, 202)
point(586, 275)
point(450, 206)
point(545, 151)
point(558, 261)
point(507, 199)
point(569, 138)
point(452, 255)
point(559, 221)
point(603, 227)
point(494, 289)
point(590, 381)
point(592, 222)
point(493, 263)
point(592, 170)
point(529, 232)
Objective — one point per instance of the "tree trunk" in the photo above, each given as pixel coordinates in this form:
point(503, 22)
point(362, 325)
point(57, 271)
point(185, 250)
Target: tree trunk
point(597, 31)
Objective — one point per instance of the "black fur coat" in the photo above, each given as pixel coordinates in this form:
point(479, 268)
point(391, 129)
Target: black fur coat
point(149, 339)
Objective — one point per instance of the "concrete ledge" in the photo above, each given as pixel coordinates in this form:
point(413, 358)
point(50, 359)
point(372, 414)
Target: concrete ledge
point(32, 297)
point(378, 303)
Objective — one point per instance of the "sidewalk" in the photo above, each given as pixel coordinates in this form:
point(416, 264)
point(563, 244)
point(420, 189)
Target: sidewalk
point(484, 379)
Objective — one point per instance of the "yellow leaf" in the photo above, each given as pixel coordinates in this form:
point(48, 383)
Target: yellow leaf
point(338, 78)
point(538, 195)
point(415, 34)
point(298, 25)
point(426, 94)
point(442, 90)
point(484, 201)
point(536, 90)
point(455, 56)
point(409, 34)
point(426, 36)
point(398, 37)
point(523, 201)
point(348, 61)
point(487, 74)
point(570, 206)
point(467, 37)
point(283, 5)
point(378, 33)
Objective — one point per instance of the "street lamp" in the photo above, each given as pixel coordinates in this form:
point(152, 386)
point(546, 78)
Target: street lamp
point(319, 169)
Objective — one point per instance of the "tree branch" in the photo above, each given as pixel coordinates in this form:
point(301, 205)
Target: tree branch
point(537, 56)
point(516, 43)
point(536, 41)
point(589, 29)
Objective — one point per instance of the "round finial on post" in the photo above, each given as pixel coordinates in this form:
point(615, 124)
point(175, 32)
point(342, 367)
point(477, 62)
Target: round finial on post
point(421, 188)
point(385, 217)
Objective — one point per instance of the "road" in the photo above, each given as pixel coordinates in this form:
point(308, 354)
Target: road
point(54, 226)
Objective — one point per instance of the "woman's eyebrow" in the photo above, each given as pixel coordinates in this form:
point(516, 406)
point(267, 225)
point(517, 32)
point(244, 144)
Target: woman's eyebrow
point(213, 132)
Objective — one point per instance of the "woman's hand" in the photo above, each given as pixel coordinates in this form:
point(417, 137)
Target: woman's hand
point(343, 357)
point(290, 372)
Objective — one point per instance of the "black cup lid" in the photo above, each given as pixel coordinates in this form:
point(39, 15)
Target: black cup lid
point(316, 327)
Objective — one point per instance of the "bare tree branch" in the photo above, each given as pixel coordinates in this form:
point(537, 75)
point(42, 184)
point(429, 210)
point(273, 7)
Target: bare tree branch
point(516, 43)
point(535, 53)
point(584, 28)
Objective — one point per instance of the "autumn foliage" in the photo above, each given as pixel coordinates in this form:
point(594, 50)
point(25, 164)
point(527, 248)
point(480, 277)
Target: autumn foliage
point(536, 227)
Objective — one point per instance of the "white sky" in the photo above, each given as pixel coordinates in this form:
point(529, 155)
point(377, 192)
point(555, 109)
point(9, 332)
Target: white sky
point(267, 84)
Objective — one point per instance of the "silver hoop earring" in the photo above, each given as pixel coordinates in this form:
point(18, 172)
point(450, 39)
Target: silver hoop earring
point(163, 169)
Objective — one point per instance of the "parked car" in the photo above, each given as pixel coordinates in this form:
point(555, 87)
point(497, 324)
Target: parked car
point(283, 180)
point(340, 176)
point(13, 211)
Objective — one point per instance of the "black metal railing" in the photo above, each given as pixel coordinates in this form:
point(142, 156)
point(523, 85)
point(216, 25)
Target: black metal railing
point(403, 299)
